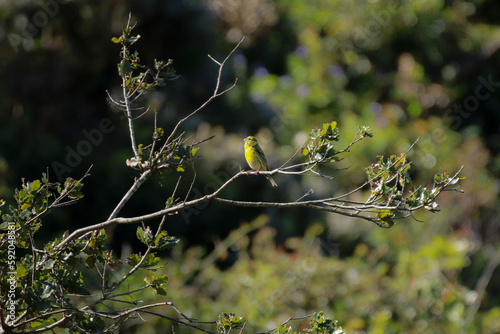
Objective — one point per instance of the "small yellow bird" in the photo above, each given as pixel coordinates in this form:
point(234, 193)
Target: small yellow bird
point(255, 158)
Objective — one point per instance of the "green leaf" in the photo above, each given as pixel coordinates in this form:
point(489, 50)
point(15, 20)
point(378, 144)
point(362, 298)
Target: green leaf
point(328, 128)
point(156, 283)
point(98, 240)
point(432, 207)
point(132, 39)
point(226, 322)
point(7, 218)
point(25, 214)
point(21, 270)
point(35, 185)
point(49, 264)
point(48, 290)
point(151, 261)
point(133, 260)
point(364, 131)
point(117, 39)
point(75, 194)
point(124, 68)
point(169, 203)
point(25, 206)
point(164, 241)
point(400, 160)
point(159, 290)
point(145, 236)
point(34, 324)
point(161, 279)
point(158, 133)
point(149, 279)
point(386, 217)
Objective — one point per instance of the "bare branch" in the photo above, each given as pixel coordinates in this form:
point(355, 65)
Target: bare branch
point(188, 324)
point(128, 111)
point(284, 323)
point(137, 184)
point(215, 94)
point(58, 201)
point(204, 140)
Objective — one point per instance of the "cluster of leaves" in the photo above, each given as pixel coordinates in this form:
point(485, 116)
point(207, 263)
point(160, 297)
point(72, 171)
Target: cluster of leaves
point(319, 146)
point(159, 241)
point(137, 77)
point(175, 156)
point(42, 277)
point(324, 325)
point(319, 324)
point(34, 200)
point(138, 80)
point(46, 283)
point(228, 321)
point(388, 178)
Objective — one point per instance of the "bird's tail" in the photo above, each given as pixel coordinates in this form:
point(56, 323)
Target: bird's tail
point(273, 183)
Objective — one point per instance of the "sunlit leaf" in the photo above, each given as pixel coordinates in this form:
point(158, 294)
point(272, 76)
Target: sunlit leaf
point(169, 203)
point(164, 241)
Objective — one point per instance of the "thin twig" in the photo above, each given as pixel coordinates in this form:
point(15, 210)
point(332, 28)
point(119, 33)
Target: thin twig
point(191, 185)
point(187, 324)
point(481, 285)
point(215, 94)
point(203, 140)
point(286, 322)
point(126, 102)
point(137, 184)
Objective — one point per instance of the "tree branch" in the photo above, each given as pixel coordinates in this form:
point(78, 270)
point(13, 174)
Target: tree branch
point(215, 94)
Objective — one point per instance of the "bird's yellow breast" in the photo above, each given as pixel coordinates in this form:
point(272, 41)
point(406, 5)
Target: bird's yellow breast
point(252, 157)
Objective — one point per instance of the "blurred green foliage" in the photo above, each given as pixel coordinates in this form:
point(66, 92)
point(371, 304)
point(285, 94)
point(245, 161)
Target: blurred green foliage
point(423, 69)
point(375, 289)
